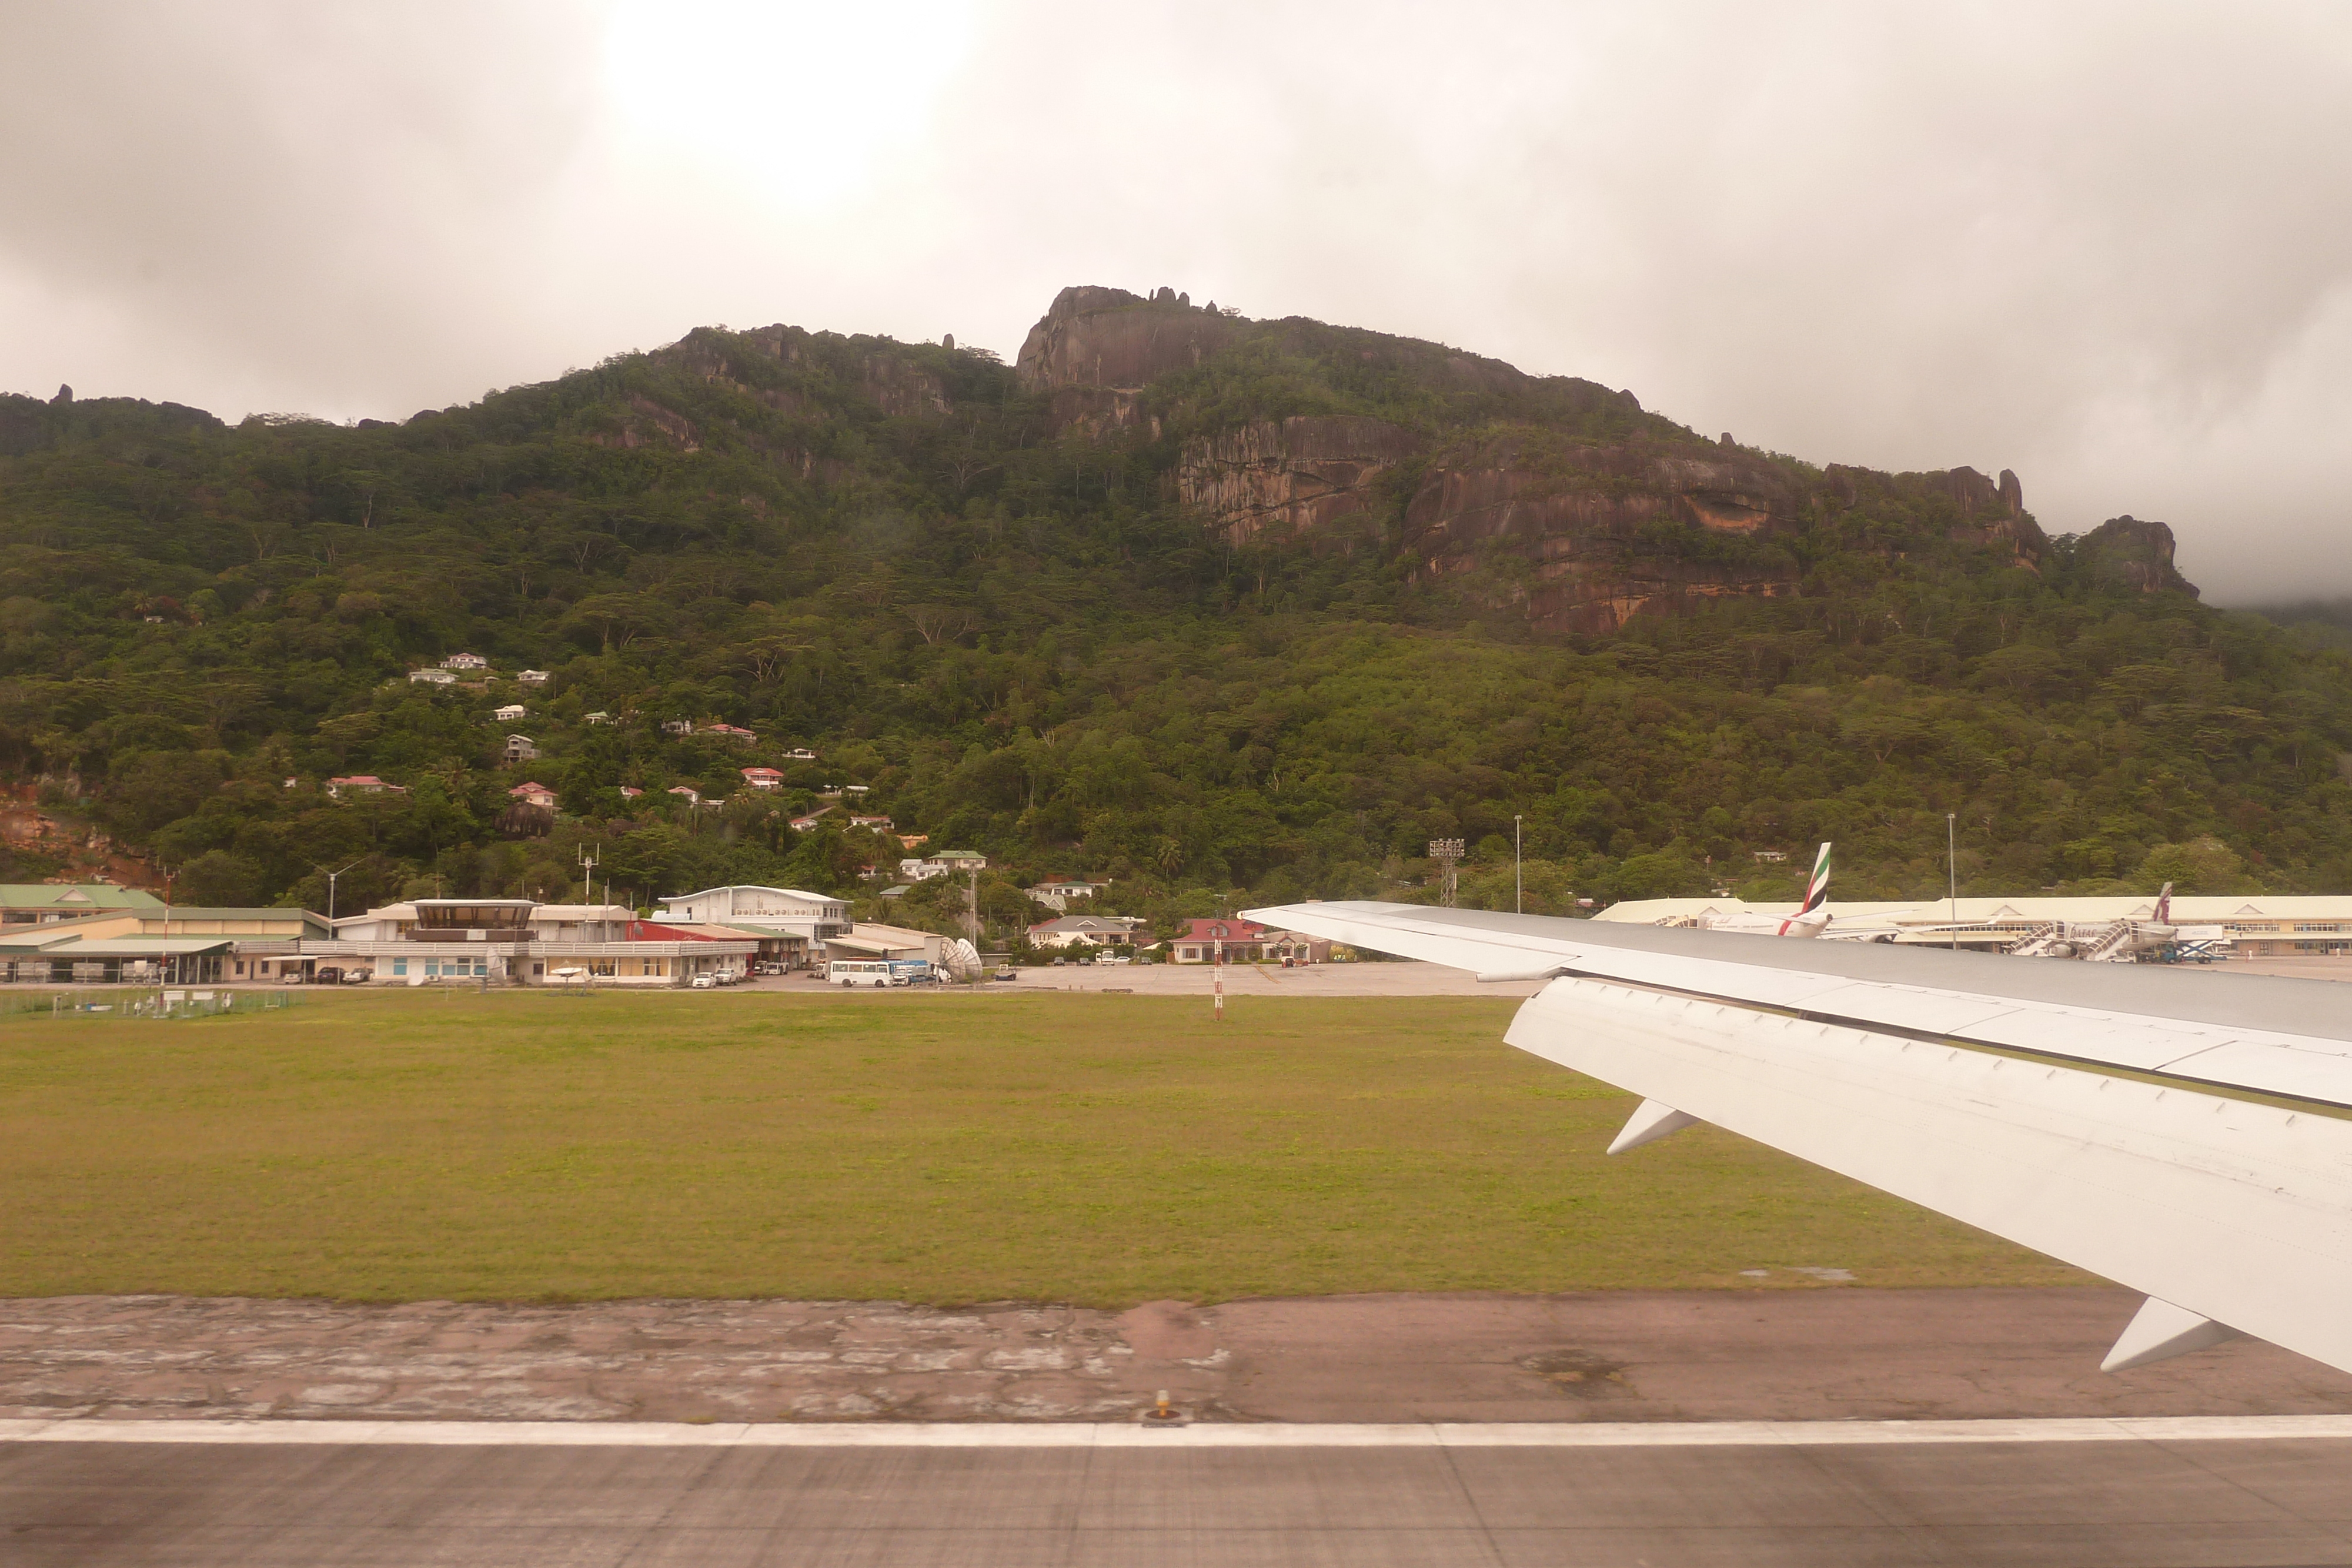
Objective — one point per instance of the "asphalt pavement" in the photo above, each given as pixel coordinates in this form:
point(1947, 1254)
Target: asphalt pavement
point(2080, 1494)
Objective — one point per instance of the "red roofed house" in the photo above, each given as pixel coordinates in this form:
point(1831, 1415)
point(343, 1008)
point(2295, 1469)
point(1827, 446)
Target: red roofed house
point(1246, 942)
point(763, 778)
point(686, 793)
point(534, 795)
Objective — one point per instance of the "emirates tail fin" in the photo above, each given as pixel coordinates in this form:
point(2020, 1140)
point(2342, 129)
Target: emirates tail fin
point(1817, 891)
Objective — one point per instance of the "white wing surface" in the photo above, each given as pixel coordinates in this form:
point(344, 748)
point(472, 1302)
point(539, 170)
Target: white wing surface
point(1958, 1081)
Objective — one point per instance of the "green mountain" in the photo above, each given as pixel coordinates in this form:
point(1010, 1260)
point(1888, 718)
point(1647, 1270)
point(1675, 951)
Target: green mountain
point(1218, 608)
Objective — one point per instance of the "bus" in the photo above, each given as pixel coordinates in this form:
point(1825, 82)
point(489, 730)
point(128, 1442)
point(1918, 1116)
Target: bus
point(861, 972)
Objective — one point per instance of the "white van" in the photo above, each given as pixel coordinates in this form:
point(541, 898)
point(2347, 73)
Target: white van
point(860, 972)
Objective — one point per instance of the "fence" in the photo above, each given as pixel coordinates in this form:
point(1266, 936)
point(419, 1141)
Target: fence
point(141, 1002)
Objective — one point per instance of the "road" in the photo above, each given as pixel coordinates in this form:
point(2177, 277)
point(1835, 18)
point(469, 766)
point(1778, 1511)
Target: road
point(2078, 1493)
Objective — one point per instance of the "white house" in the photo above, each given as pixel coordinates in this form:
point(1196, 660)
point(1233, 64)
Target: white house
point(761, 777)
point(534, 795)
point(531, 677)
point(599, 717)
point(686, 793)
point(521, 748)
point(432, 677)
point(802, 754)
point(507, 714)
point(1096, 930)
point(916, 869)
point(678, 726)
point(1056, 892)
point(881, 824)
point(464, 662)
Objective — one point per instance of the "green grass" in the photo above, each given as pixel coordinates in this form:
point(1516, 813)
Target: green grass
point(1094, 1149)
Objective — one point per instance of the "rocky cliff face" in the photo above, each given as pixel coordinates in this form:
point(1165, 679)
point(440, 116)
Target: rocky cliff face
point(2125, 552)
point(1301, 475)
point(1578, 531)
point(1106, 337)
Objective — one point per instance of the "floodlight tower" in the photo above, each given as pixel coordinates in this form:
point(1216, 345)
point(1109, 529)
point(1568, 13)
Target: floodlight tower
point(1447, 852)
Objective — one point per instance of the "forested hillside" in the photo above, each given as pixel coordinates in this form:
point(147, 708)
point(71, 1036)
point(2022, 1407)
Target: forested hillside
point(1120, 629)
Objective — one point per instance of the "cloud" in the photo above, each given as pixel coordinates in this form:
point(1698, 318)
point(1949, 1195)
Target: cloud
point(2105, 245)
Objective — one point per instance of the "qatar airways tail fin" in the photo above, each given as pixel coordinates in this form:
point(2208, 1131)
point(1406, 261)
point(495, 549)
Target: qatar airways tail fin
point(2164, 906)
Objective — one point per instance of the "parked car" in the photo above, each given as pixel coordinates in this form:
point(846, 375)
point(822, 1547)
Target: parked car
point(328, 975)
point(1006, 973)
point(704, 982)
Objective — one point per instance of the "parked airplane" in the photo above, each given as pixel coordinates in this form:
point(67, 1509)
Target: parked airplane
point(1810, 921)
point(1989, 1091)
point(2113, 941)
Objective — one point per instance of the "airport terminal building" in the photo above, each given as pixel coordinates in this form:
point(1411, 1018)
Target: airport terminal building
point(516, 941)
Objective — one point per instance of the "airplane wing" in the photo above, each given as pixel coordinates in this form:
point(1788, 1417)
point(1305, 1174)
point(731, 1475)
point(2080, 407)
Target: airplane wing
point(1988, 1088)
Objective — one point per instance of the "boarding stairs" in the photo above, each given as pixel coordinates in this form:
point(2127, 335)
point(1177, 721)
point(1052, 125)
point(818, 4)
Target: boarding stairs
point(2037, 943)
point(2112, 945)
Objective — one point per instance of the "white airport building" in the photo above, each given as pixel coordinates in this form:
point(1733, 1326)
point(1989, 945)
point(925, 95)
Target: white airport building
point(518, 941)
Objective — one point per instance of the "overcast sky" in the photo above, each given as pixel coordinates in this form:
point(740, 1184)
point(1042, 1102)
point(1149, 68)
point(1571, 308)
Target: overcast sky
point(2107, 245)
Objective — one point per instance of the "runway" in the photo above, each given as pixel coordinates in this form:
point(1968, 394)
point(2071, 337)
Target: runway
point(2168, 1494)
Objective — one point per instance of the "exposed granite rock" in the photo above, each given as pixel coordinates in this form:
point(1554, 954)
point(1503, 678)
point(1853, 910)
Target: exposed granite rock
point(1093, 337)
point(1573, 512)
point(1300, 474)
point(2125, 552)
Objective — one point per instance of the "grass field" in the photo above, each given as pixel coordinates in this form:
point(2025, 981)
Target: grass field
point(1093, 1149)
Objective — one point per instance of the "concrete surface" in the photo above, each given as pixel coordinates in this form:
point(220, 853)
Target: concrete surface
point(1402, 978)
point(2080, 1504)
point(1812, 1353)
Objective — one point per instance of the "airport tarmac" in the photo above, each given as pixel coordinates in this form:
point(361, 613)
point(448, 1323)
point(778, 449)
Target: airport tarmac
point(1402, 977)
point(1801, 1351)
point(2058, 1495)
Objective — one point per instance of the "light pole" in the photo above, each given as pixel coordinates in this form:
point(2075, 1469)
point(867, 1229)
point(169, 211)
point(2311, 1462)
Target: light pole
point(1518, 891)
point(1952, 872)
point(331, 876)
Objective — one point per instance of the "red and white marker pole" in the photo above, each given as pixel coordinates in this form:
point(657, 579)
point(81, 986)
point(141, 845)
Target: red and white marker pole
point(1218, 968)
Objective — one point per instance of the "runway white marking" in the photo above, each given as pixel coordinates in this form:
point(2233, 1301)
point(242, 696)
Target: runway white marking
point(1220, 1434)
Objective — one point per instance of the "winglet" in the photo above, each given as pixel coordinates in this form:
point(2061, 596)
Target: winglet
point(1649, 1122)
point(2159, 1331)
point(1508, 977)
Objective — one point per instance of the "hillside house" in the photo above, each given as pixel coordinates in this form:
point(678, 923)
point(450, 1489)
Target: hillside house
point(763, 778)
point(432, 677)
point(531, 677)
point(801, 753)
point(361, 784)
point(630, 792)
point(538, 795)
point(521, 748)
point(880, 824)
point(599, 717)
point(727, 732)
point(507, 714)
point(1056, 892)
point(1091, 930)
point(464, 662)
point(686, 793)
point(678, 726)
